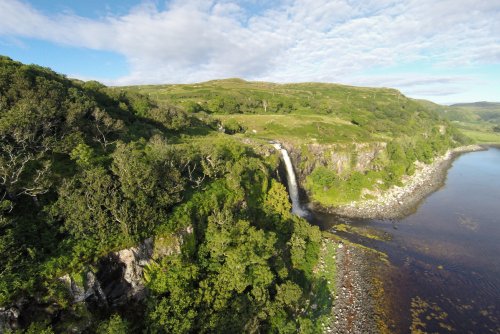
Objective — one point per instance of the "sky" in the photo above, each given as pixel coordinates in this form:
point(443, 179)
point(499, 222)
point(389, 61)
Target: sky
point(446, 51)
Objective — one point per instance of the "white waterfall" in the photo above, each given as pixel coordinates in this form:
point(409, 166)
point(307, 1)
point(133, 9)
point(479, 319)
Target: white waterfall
point(292, 183)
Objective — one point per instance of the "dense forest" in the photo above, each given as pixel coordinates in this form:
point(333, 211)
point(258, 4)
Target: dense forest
point(87, 171)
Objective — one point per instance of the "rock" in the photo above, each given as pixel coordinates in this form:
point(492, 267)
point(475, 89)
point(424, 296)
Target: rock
point(93, 288)
point(134, 259)
point(76, 291)
point(119, 277)
point(9, 318)
point(116, 280)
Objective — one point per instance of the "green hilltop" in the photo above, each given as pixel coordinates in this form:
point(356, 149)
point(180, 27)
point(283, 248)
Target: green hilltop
point(314, 111)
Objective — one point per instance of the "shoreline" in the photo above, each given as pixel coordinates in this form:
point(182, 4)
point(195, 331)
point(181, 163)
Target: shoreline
point(359, 303)
point(400, 201)
point(354, 307)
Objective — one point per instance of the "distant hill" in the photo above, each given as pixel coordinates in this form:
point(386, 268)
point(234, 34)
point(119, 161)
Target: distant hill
point(316, 111)
point(479, 105)
point(479, 120)
point(477, 111)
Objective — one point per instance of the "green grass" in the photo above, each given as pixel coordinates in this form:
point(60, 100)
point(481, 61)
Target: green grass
point(476, 120)
point(328, 189)
point(299, 128)
point(329, 269)
point(324, 283)
point(306, 112)
point(483, 137)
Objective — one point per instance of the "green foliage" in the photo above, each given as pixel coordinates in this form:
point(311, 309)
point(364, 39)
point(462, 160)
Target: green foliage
point(171, 117)
point(86, 170)
point(231, 126)
point(324, 177)
point(39, 328)
point(173, 282)
point(147, 173)
point(83, 155)
point(317, 112)
point(304, 246)
point(114, 325)
point(276, 202)
point(103, 176)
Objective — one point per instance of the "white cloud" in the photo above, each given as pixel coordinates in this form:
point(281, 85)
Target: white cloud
point(294, 40)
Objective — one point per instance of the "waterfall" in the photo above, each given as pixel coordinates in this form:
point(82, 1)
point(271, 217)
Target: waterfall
point(292, 183)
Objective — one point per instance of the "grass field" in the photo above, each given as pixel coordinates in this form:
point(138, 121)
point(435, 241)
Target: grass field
point(476, 120)
point(300, 128)
point(483, 137)
point(304, 112)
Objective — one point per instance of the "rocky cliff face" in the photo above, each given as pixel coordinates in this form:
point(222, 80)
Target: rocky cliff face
point(116, 280)
point(9, 318)
point(119, 278)
point(341, 158)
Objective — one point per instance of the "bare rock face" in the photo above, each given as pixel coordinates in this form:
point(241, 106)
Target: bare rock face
point(115, 280)
point(76, 291)
point(337, 157)
point(9, 318)
point(119, 277)
point(134, 260)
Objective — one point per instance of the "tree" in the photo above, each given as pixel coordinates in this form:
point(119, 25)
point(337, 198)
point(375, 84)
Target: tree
point(105, 127)
point(173, 284)
point(114, 325)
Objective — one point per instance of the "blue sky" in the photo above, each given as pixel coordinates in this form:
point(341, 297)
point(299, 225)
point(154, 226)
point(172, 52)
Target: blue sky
point(443, 50)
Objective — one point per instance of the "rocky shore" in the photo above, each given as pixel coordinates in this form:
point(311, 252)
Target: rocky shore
point(400, 201)
point(353, 309)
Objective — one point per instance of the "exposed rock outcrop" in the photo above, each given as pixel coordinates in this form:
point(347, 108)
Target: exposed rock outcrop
point(119, 275)
point(115, 280)
point(9, 318)
point(134, 259)
point(339, 157)
point(399, 201)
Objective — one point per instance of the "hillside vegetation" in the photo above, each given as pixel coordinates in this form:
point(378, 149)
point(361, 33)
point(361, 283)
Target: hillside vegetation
point(478, 120)
point(86, 171)
point(319, 112)
point(394, 131)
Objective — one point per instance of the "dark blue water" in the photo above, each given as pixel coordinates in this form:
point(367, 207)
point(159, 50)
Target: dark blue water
point(446, 256)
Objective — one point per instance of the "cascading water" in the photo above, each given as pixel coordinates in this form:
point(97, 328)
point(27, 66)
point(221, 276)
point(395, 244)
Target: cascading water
point(292, 183)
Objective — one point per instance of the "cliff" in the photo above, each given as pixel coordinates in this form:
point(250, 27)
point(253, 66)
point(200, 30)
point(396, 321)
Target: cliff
point(114, 281)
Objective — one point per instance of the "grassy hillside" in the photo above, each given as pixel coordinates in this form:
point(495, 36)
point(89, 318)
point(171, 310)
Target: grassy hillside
point(319, 112)
point(479, 120)
point(350, 123)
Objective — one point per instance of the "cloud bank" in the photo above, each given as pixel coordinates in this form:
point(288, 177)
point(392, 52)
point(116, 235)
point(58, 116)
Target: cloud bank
point(290, 41)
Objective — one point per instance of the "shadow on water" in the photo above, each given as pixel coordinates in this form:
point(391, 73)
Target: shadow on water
point(445, 274)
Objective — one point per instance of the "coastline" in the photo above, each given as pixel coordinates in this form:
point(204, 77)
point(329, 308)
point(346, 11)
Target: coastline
point(400, 201)
point(359, 303)
point(354, 307)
